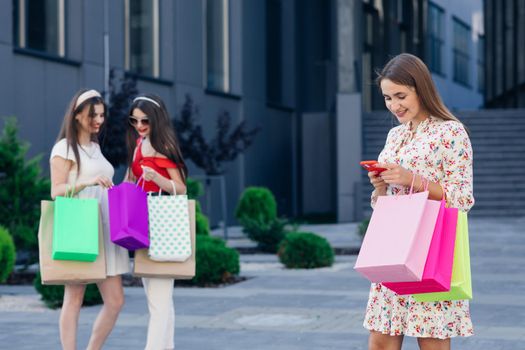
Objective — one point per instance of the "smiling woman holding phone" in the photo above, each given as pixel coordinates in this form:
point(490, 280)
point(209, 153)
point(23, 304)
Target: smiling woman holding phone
point(432, 146)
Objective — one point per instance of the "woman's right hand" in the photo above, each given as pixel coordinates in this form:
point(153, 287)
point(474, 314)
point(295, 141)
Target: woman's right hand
point(101, 180)
point(379, 184)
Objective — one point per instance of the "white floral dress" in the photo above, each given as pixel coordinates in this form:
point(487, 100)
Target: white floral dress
point(441, 152)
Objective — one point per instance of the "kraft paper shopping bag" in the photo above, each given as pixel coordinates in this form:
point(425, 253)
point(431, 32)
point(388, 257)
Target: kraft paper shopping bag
point(144, 266)
point(65, 271)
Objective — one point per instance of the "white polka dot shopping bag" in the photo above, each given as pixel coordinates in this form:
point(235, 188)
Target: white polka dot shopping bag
point(169, 228)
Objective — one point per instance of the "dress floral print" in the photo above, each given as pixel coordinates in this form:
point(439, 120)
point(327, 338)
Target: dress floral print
point(441, 152)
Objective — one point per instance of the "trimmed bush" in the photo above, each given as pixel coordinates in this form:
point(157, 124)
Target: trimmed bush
point(256, 203)
point(305, 250)
point(202, 225)
point(216, 263)
point(257, 213)
point(7, 254)
point(194, 188)
point(53, 295)
point(267, 235)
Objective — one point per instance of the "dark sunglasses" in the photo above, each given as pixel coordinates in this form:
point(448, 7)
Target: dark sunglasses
point(135, 121)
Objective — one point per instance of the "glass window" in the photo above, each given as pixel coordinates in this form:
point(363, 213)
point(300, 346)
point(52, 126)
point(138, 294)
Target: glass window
point(217, 45)
point(39, 25)
point(481, 63)
point(461, 52)
point(435, 39)
point(142, 37)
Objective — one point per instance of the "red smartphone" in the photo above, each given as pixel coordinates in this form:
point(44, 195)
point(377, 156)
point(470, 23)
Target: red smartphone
point(370, 165)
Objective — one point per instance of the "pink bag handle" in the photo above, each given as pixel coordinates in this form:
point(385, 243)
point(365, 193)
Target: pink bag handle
point(411, 186)
point(138, 180)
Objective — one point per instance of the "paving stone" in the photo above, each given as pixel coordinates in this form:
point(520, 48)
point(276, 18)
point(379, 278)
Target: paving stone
point(280, 309)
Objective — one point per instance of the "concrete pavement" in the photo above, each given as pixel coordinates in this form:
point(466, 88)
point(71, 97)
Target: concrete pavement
point(283, 309)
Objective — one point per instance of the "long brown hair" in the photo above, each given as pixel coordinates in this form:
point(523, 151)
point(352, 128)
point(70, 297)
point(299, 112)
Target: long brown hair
point(70, 126)
point(408, 70)
point(162, 135)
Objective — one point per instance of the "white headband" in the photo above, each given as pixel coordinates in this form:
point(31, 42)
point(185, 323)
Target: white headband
point(85, 96)
point(146, 99)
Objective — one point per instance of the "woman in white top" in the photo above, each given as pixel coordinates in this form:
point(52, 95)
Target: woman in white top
point(76, 160)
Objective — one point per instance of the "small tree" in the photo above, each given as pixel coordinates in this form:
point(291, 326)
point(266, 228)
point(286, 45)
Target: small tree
point(7, 254)
point(22, 187)
point(226, 145)
point(113, 135)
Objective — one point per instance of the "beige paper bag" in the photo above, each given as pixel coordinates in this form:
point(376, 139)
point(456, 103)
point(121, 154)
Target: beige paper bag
point(145, 267)
point(66, 271)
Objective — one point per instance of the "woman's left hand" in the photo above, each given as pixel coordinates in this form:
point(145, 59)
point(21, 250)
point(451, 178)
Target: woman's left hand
point(149, 174)
point(395, 174)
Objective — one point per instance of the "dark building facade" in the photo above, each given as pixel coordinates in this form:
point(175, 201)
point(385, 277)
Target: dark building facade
point(303, 70)
point(505, 53)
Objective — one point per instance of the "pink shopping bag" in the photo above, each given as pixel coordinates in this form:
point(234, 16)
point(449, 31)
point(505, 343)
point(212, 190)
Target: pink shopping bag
point(397, 241)
point(128, 216)
point(461, 282)
point(438, 268)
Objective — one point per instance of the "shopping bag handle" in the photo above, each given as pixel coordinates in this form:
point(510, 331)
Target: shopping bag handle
point(174, 189)
point(411, 186)
point(72, 188)
point(140, 178)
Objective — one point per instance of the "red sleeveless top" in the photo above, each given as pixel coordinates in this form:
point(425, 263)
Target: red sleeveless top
point(160, 165)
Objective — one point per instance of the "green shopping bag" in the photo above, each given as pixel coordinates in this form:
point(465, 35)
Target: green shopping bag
point(75, 229)
point(461, 285)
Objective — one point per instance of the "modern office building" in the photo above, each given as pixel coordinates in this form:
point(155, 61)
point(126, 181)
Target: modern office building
point(303, 70)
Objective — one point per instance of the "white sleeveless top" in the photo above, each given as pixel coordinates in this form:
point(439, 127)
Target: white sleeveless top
point(92, 161)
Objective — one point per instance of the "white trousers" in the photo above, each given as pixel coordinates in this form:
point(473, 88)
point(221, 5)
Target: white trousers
point(161, 326)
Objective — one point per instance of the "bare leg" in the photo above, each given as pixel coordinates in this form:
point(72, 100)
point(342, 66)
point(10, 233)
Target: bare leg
point(379, 341)
point(113, 296)
point(433, 344)
point(68, 323)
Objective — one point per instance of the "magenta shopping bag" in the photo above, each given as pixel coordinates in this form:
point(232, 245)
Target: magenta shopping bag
point(438, 268)
point(397, 241)
point(128, 216)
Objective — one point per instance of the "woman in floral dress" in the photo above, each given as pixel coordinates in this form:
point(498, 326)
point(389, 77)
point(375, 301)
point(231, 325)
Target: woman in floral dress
point(433, 146)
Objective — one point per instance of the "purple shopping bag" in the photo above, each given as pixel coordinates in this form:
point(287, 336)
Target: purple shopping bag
point(128, 216)
point(397, 241)
point(438, 268)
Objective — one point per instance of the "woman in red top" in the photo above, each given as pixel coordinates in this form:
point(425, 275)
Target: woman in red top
point(155, 159)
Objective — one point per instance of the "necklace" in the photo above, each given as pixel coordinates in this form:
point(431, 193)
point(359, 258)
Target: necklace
point(90, 151)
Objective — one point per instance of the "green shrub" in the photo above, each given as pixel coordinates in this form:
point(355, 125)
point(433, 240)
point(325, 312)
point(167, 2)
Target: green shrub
point(7, 254)
point(194, 188)
point(21, 189)
point(257, 213)
point(53, 295)
point(305, 250)
point(216, 263)
point(256, 203)
point(267, 235)
point(362, 227)
point(202, 224)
